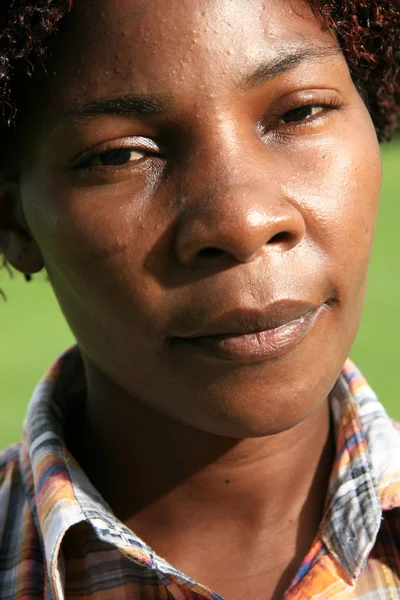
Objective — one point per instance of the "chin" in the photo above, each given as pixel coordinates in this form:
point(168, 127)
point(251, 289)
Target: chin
point(254, 414)
point(269, 400)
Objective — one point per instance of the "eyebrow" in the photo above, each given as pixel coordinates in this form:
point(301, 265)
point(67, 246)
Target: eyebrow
point(286, 60)
point(122, 106)
point(130, 106)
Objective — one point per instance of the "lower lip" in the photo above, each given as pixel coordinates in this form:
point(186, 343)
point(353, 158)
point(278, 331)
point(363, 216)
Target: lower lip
point(258, 346)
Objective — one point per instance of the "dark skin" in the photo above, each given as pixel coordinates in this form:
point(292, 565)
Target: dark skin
point(225, 204)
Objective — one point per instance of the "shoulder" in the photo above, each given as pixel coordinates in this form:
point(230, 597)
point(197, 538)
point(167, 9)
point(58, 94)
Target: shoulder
point(12, 493)
point(9, 464)
point(21, 560)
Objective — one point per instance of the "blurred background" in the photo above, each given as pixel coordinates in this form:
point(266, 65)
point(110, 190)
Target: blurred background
point(33, 331)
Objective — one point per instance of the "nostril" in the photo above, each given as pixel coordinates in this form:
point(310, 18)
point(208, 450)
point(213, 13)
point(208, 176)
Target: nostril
point(284, 237)
point(210, 253)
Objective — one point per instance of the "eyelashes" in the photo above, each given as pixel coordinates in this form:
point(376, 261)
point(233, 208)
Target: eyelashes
point(301, 113)
point(116, 154)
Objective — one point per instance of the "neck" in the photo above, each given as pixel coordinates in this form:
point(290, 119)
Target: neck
point(143, 463)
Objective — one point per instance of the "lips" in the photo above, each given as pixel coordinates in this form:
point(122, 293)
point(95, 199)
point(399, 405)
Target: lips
point(253, 336)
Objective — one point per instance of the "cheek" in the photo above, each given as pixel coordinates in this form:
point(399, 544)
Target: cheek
point(73, 219)
point(338, 190)
point(95, 242)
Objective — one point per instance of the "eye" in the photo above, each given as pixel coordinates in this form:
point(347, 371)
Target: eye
point(113, 158)
point(117, 154)
point(302, 113)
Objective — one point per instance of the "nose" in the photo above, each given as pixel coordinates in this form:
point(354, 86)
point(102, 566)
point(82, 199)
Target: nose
point(235, 216)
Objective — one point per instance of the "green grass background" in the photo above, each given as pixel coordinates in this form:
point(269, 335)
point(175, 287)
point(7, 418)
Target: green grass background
point(33, 331)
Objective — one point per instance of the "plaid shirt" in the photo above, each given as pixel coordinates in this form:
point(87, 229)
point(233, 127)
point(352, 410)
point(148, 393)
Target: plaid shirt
point(59, 539)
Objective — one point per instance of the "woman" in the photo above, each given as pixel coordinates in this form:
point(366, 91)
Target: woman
point(200, 181)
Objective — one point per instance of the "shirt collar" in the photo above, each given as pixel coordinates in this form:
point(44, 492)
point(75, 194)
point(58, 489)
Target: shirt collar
point(365, 478)
point(61, 495)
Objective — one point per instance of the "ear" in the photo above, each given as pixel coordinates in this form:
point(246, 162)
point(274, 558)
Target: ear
point(16, 242)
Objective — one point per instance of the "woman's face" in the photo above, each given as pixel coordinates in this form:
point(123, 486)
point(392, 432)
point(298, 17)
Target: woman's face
point(193, 172)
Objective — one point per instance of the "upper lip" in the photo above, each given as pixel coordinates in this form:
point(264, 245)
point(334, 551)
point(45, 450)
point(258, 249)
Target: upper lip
point(243, 321)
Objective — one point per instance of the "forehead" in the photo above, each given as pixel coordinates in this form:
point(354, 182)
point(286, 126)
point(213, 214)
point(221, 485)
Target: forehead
point(158, 47)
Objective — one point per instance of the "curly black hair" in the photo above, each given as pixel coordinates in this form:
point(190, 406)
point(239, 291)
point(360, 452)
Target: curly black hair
point(24, 30)
point(368, 32)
